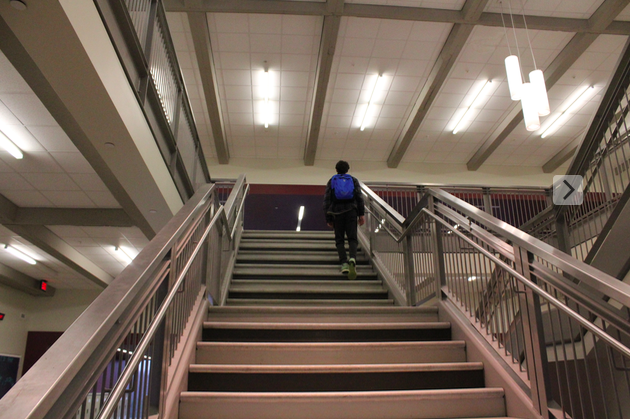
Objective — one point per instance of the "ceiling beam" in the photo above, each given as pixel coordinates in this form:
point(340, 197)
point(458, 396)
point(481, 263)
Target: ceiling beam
point(81, 217)
point(392, 12)
point(22, 282)
point(454, 44)
point(560, 158)
point(56, 247)
point(327, 47)
point(203, 51)
point(602, 18)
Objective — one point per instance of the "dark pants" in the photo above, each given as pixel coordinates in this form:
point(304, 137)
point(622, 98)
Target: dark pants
point(346, 223)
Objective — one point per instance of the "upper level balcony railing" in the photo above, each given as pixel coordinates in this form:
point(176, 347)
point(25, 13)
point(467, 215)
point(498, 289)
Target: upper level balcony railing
point(139, 32)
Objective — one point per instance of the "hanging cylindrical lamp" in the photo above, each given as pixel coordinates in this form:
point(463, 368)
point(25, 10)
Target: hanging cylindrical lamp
point(537, 80)
point(515, 82)
point(530, 111)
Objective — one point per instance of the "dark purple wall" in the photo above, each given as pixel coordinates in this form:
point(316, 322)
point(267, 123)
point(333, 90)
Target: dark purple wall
point(276, 207)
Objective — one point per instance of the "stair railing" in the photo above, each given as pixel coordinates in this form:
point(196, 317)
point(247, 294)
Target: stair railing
point(562, 325)
point(114, 359)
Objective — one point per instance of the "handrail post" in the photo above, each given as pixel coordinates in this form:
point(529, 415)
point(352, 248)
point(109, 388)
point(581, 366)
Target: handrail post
point(438, 252)
point(410, 276)
point(534, 336)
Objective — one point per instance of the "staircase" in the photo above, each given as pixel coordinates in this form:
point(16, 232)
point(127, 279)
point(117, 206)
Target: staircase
point(298, 340)
point(288, 268)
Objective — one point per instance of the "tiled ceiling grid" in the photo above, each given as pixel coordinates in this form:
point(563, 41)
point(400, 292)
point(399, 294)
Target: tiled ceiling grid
point(625, 15)
point(56, 273)
point(443, 4)
point(98, 244)
point(52, 174)
point(241, 43)
point(481, 59)
point(404, 53)
point(594, 68)
point(179, 27)
point(577, 9)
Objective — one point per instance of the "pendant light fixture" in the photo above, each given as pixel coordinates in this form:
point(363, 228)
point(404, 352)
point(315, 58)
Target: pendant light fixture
point(533, 94)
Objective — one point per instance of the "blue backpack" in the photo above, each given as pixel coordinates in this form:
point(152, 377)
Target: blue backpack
point(343, 185)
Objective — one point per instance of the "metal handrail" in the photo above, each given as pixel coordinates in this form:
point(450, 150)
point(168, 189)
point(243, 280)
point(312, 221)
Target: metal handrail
point(557, 303)
point(57, 385)
point(584, 272)
point(539, 308)
point(580, 270)
point(130, 370)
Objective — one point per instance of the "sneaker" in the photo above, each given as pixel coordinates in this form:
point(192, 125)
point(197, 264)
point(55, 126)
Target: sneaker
point(352, 274)
point(345, 268)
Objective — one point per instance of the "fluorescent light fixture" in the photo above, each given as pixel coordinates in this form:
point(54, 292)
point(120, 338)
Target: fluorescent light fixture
point(515, 81)
point(19, 254)
point(300, 216)
point(121, 252)
point(480, 94)
point(472, 278)
point(530, 111)
point(367, 109)
point(580, 99)
point(266, 81)
point(537, 79)
point(10, 147)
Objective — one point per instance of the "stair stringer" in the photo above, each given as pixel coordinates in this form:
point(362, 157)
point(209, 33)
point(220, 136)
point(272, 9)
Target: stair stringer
point(177, 374)
point(497, 372)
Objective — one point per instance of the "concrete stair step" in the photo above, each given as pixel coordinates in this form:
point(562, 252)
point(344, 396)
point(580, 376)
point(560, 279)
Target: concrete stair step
point(270, 285)
point(410, 404)
point(309, 378)
point(297, 271)
point(300, 302)
point(288, 245)
point(325, 369)
point(323, 314)
point(332, 353)
point(325, 332)
point(288, 235)
point(294, 257)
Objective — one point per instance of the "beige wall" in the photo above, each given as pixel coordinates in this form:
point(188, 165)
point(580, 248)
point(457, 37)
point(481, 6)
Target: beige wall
point(293, 172)
point(26, 313)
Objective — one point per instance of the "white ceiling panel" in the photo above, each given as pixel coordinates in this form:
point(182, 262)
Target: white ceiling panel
point(411, 47)
point(578, 9)
point(243, 45)
point(482, 60)
point(432, 4)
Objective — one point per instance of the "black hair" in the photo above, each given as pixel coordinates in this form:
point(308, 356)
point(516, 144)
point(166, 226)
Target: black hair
point(342, 167)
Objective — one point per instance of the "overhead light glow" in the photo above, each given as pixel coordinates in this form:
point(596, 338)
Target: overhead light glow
point(367, 109)
point(124, 255)
point(537, 79)
point(266, 94)
point(300, 216)
point(515, 81)
point(19, 254)
point(579, 100)
point(472, 278)
point(530, 111)
point(10, 147)
point(480, 94)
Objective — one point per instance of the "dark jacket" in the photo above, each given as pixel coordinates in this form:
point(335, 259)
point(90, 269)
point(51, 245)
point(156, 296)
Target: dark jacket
point(333, 206)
